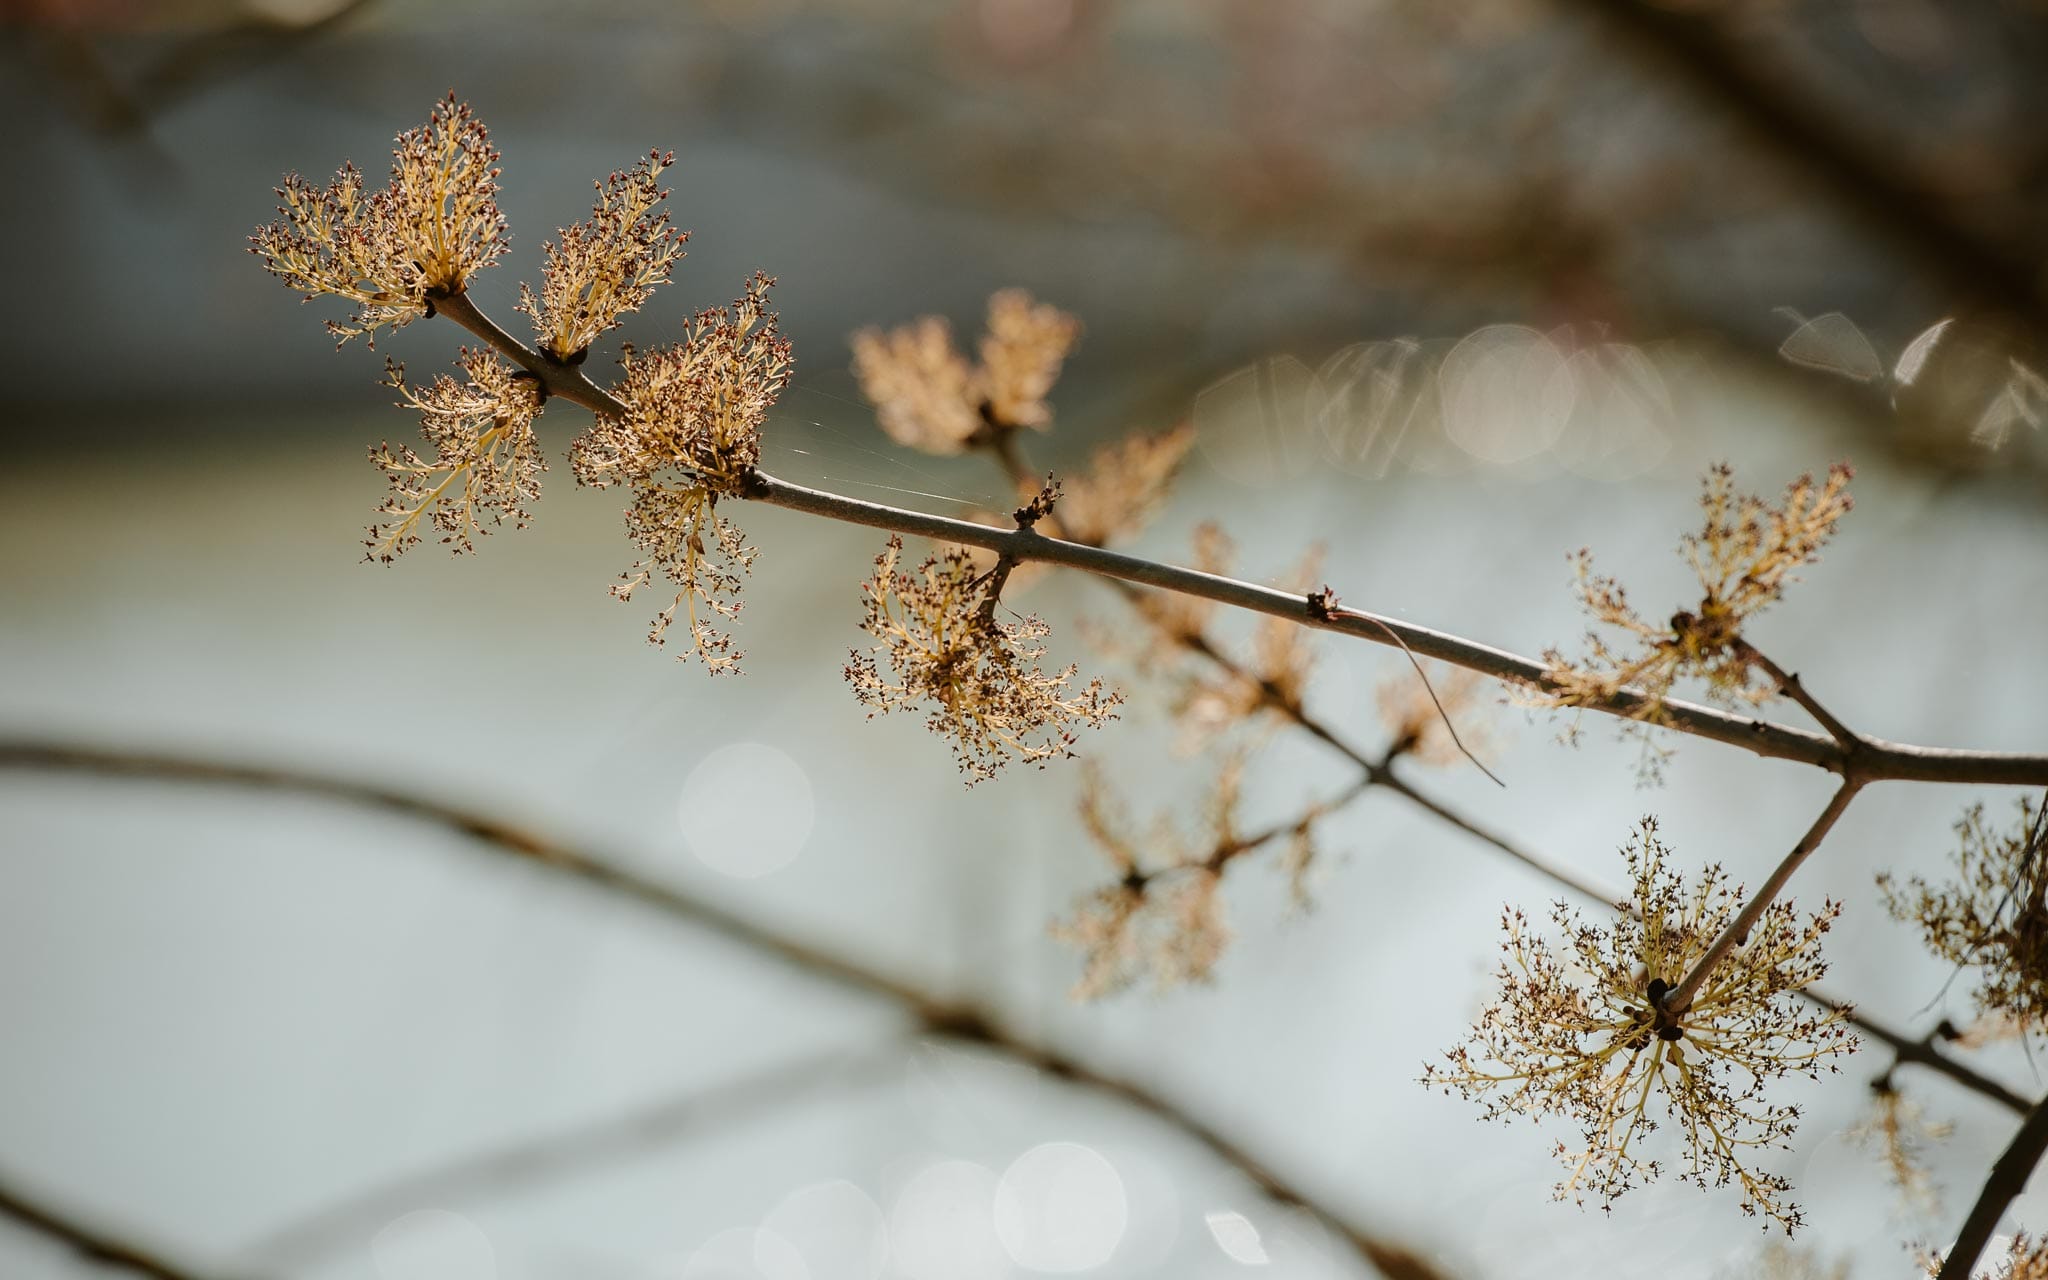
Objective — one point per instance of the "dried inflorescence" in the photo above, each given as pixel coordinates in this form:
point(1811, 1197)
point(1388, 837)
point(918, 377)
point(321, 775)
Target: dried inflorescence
point(393, 252)
point(691, 434)
point(2026, 1258)
point(1781, 1261)
point(1162, 918)
point(1418, 712)
point(1744, 555)
point(486, 459)
point(1216, 698)
point(1581, 1031)
point(1124, 487)
point(1900, 1132)
point(928, 397)
point(1994, 916)
point(603, 268)
point(977, 678)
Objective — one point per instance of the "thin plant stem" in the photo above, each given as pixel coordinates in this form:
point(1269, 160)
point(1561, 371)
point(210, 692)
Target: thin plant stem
point(1876, 759)
point(1679, 998)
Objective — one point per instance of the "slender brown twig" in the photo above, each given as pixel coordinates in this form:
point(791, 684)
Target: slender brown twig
point(94, 1244)
point(2007, 1179)
point(528, 1161)
point(1679, 998)
point(1877, 759)
point(937, 1015)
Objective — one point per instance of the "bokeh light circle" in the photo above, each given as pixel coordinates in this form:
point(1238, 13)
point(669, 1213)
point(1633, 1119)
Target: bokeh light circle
point(746, 810)
point(1061, 1207)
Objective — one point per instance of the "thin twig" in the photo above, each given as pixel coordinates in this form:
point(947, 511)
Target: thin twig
point(527, 1162)
point(1790, 684)
point(2008, 1178)
point(94, 1244)
point(1877, 760)
point(1679, 998)
point(1697, 49)
point(941, 1016)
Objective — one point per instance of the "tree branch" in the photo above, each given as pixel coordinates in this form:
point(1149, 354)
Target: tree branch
point(1876, 760)
point(2008, 1178)
point(1679, 998)
point(1696, 49)
point(527, 1161)
point(939, 1016)
point(91, 1243)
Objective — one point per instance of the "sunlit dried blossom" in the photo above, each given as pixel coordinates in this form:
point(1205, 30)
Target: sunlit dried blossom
point(2026, 1258)
point(977, 678)
point(1021, 355)
point(1744, 555)
point(923, 391)
point(1123, 488)
point(486, 460)
point(1417, 722)
point(1780, 1261)
point(1178, 618)
point(691, 434)
point(928, 397)
point(1898, 1130)
point(1162, 918)
point(605, 267)
point(1580, 1031)
point(1217, 698)
point(1994, 916)
point(393, 252)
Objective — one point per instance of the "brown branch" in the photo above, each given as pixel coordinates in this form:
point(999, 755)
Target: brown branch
point(2008, 1178)
point(529, 1161)
point(1696, 49)
point(940, 1016)
point(1679, 998)
point(1792, 687)
point(1876, 760)
point(93, 1244)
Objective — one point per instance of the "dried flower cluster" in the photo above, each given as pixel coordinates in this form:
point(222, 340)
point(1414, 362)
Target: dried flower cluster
point(1744, 555)
point(1125, 485)
point(1994, 917)
point(393, 252)
point(1900, 1132)
point(486, 459)
point(1581, 1031)
point(1163, 915)
point(1214, 698)
point(601, 269)
point(1418, 720)
point(929, 398)
point(691, 434)
point(2026, 1258)
point(977, 678)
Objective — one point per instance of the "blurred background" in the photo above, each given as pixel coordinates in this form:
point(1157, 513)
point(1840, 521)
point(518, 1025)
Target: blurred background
point(1450, 287)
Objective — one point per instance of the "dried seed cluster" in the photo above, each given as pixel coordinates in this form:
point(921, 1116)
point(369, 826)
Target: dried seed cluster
point(393, 251)
point(486, 460)
point(928, 397)
point(691, 433)
point(1993, 917)
point(1580, 1031)
point(603, 268)
point(1744, 556)
point(977, 678)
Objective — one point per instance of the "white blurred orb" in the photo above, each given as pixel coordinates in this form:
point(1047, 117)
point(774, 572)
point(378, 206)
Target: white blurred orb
point(746, 810)
point(1061, 1207)
point(742, 1253)
point(837, 1227)
point(942, 1225)
point(1237, 1237)
point(1507, 393)
point(433, 1244)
